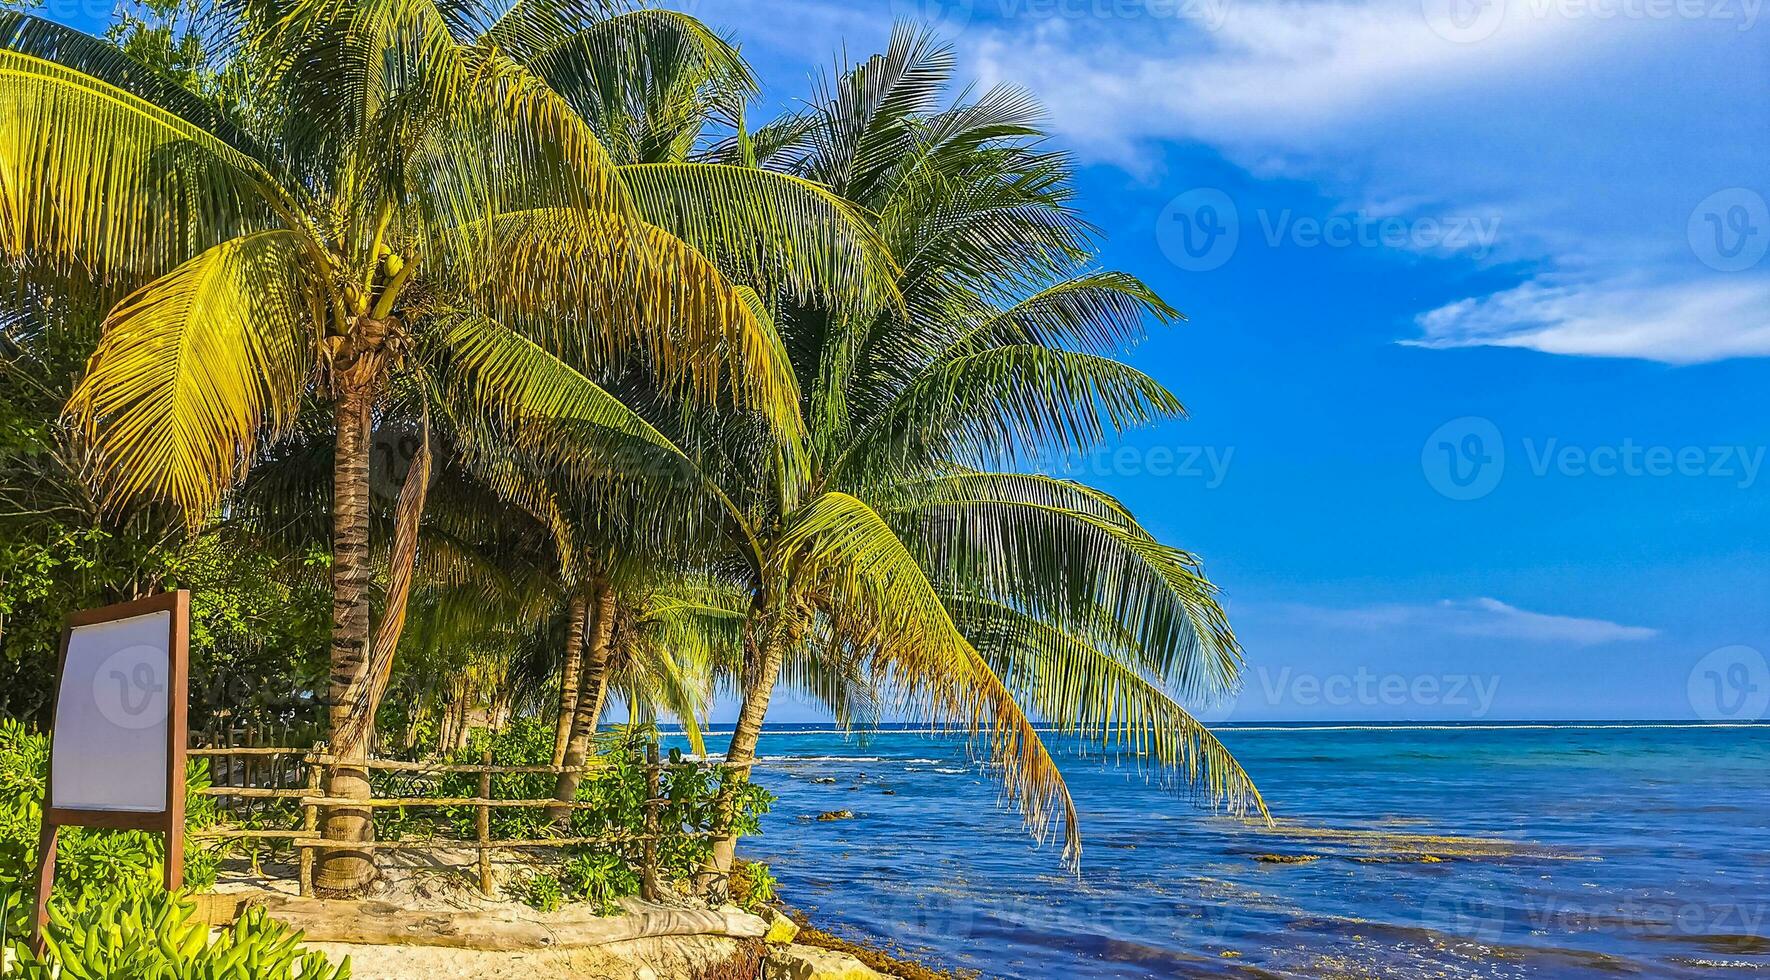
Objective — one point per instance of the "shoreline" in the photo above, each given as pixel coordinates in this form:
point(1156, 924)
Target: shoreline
point(472, 937)
point(892, 962)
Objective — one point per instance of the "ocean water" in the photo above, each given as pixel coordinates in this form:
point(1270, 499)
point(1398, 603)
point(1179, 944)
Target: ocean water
point(1562, 851)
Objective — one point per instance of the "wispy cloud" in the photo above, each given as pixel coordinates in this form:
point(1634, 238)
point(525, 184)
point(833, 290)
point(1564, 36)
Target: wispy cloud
point(1482, 617)
point(1677, 323)
point(1235, 72)
point(1387, 109)
point(1388, 115)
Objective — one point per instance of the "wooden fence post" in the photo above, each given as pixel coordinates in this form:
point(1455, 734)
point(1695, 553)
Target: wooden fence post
point(243, 807)
point(310, 820)
point(484, 821)
point(648, 868)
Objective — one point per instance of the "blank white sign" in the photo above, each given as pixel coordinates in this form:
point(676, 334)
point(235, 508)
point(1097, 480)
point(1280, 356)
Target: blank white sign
point(109, 751)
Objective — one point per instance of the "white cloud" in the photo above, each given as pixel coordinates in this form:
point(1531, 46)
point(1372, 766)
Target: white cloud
point(1537, 125)
point(1680, 323)
point(1482, 617)
point(1389, 117)
point(1241, 72)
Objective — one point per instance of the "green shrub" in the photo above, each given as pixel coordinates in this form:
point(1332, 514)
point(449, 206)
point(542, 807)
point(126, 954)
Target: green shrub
point(753, 885)
point(542, 892)
point(600, 878)
point(90, 864)
point(143, 933)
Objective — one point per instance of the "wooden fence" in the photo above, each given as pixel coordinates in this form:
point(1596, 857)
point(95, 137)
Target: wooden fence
point(295, 775)
point(253, 755)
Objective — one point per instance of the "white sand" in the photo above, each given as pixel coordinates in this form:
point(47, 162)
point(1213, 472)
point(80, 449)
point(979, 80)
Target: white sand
point(673, 958)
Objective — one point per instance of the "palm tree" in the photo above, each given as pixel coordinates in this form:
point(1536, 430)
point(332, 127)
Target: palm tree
point(406, 200)
point(889, 541)
point(648, 83)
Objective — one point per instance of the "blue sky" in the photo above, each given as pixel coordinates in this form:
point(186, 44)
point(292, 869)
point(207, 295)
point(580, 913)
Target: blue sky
point(1477, 352)
point(1494, 212)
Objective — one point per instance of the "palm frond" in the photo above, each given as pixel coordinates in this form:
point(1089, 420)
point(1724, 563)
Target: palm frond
point(516, 387)
point(770, 229)
point(1075, 557)
point(1001, 403)
point(97, 179)
point(885, 608)
point(199, 367)
point(1085, 691)
point(1098, 312)
point(647, 81)
point(571, 282)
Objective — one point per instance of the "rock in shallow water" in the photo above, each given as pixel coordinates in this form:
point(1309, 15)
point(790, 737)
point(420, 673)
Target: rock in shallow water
point(836, 815)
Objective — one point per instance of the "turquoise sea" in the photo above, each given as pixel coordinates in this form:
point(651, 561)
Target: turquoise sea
point(1531, 850)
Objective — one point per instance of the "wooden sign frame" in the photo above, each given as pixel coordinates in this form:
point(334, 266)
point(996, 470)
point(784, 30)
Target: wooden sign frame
point(169, 821)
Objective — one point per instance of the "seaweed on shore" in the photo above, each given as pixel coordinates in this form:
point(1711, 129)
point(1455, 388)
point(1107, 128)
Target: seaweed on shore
point(890, 963)
point(743, 964)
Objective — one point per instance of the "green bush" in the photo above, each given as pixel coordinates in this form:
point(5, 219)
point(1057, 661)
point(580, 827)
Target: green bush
point(542, 892)
point(90, 864)
point(143, 933)
point(753, 885)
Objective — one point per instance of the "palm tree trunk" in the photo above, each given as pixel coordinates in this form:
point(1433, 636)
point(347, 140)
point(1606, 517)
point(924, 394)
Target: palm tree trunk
point(444, 718)
point(593, 690)
point(569, 676)
point(344, 870)
point(458, 730)
point(765, 647)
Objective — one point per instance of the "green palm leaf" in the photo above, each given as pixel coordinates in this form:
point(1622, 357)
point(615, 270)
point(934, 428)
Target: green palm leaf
point(769, 228)
point(1085, 691)
point(199, 367)
point(1074, 556)
point(884, 607)
point(993, 404)
point(103, 181)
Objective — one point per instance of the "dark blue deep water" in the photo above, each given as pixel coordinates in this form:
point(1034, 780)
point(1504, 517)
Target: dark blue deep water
point(1559, 851)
